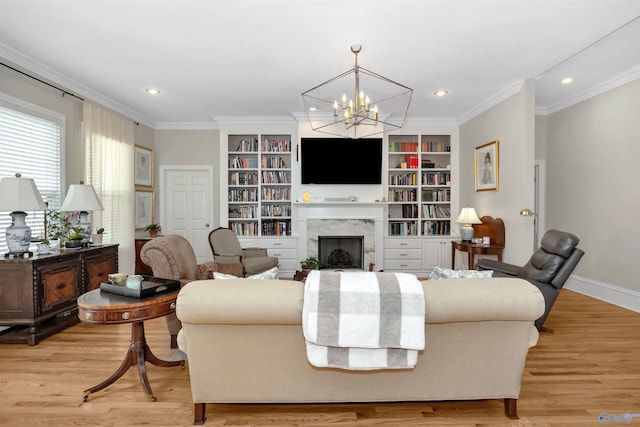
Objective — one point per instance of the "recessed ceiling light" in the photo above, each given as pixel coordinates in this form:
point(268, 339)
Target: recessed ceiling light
point(566, 80)
point(153, 91)
point(441, 92)
point(312, 108)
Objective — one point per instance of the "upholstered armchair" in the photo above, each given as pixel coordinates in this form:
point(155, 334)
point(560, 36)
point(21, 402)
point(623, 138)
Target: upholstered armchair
point(172, 257)
point(548, 268)
point(226, 248)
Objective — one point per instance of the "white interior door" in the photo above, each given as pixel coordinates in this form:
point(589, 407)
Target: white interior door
point(186, 205)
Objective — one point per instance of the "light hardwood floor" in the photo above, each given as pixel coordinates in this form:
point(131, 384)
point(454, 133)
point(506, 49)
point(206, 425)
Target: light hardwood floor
point(589, 365)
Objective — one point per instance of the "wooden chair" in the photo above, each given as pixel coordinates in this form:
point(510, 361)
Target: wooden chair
point(494, 228)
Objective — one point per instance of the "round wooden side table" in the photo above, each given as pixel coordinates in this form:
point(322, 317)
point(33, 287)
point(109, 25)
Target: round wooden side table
point(101, 307)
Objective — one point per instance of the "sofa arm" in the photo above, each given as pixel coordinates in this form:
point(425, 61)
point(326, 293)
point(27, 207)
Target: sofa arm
point(254, 252)
point(227, 259)
point(500, 267)
point(161, 261)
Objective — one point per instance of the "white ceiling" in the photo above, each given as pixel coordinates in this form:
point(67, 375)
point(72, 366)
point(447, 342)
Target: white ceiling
point(227, 58)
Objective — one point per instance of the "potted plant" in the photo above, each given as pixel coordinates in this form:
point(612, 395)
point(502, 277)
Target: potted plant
point(153, 229)
point(74, 240)
point(309, 264)
point(96, 238)
point(57, 226)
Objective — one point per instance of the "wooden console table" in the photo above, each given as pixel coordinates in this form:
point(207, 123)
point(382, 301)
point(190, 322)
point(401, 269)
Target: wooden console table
point(38, 294)
point(106, 308)
point(493, 228)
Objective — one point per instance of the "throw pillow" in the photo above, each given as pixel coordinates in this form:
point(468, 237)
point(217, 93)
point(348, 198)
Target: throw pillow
point(272, 273)
point(446, 273)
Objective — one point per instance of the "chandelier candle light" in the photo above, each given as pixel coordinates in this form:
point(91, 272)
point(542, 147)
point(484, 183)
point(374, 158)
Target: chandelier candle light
point(357, 117)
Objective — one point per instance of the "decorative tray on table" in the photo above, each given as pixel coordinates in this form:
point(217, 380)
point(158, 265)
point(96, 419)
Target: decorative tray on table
point(150, 286)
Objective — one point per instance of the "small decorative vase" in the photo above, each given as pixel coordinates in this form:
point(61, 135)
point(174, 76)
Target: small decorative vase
point(96, 239)
point(18, 233)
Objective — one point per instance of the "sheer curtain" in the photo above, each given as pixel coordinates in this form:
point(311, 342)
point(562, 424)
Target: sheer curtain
point(108, 140)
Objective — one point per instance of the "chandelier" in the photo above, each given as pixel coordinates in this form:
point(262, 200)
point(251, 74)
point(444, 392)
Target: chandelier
point(357, 103)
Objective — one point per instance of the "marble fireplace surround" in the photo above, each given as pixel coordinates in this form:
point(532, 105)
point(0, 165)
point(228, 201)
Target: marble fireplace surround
point(342, 219)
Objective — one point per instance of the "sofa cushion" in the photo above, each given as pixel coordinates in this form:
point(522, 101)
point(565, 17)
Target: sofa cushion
point(446, 273)
point(241, 302)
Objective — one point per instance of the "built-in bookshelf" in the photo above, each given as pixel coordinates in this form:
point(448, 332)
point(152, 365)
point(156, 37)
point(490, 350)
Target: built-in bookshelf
point(259, 184)
point(419, 185)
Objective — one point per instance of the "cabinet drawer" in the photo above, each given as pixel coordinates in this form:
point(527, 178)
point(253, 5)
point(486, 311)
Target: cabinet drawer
point(399, 264)
point(98, 270)
point(278, 243)
point(288, 265)
point(59, 286)
point(402, 244)
point(283, 253)
point(403, 254)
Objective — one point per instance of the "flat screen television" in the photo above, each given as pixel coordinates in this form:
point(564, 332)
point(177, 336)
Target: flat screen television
point(341, 160)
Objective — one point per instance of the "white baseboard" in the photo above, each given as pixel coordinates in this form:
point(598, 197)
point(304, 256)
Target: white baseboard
point(622, 297)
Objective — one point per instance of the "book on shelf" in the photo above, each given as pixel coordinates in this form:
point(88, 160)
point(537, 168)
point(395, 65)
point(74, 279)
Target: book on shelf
point(403, 146)
point(434, 146)
point(247, 145)
point(277, 145)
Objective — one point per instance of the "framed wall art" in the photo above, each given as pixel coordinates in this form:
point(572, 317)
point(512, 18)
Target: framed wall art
point(144, 209)
point(143, 166)
point(487, 170)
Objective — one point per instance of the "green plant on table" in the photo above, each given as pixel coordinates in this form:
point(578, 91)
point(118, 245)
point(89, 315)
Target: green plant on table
point(76, 234)
point(310, 263)
point(153, 227)
point(58, 224)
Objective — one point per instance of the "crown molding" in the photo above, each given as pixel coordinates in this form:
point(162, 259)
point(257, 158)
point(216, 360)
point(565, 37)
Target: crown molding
point(431, 121)
point(620, 80)
point(510, 89)
point(253, 119)
point(47, 73)
point(187, 126)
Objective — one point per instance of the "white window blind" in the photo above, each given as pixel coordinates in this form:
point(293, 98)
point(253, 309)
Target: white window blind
point(30, 144)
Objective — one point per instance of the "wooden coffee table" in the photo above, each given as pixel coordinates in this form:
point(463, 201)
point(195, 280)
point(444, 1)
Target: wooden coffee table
point(106, 308)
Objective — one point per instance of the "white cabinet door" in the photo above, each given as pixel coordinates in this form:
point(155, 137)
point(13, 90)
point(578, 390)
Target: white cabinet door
point(437, 252)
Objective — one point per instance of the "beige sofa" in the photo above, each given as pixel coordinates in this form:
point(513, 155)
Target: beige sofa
point(244, 343)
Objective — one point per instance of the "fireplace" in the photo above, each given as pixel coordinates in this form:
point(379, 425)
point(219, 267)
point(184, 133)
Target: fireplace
point(341, 252)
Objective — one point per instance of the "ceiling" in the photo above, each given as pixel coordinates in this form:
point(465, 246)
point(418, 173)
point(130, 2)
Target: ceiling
point(253, 58)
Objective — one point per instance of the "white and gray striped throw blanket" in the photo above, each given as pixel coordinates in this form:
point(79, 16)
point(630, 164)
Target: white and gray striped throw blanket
point(363, 320)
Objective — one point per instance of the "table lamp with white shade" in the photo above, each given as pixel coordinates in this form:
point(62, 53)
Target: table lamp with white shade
point(82, 197)
point(19, 195)
point(467, 217)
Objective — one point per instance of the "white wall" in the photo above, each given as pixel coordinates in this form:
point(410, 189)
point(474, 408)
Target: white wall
point(593, 183)
point(512, 123)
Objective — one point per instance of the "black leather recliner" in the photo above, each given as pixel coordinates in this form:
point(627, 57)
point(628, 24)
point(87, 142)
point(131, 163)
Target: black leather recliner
point(548, 269)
